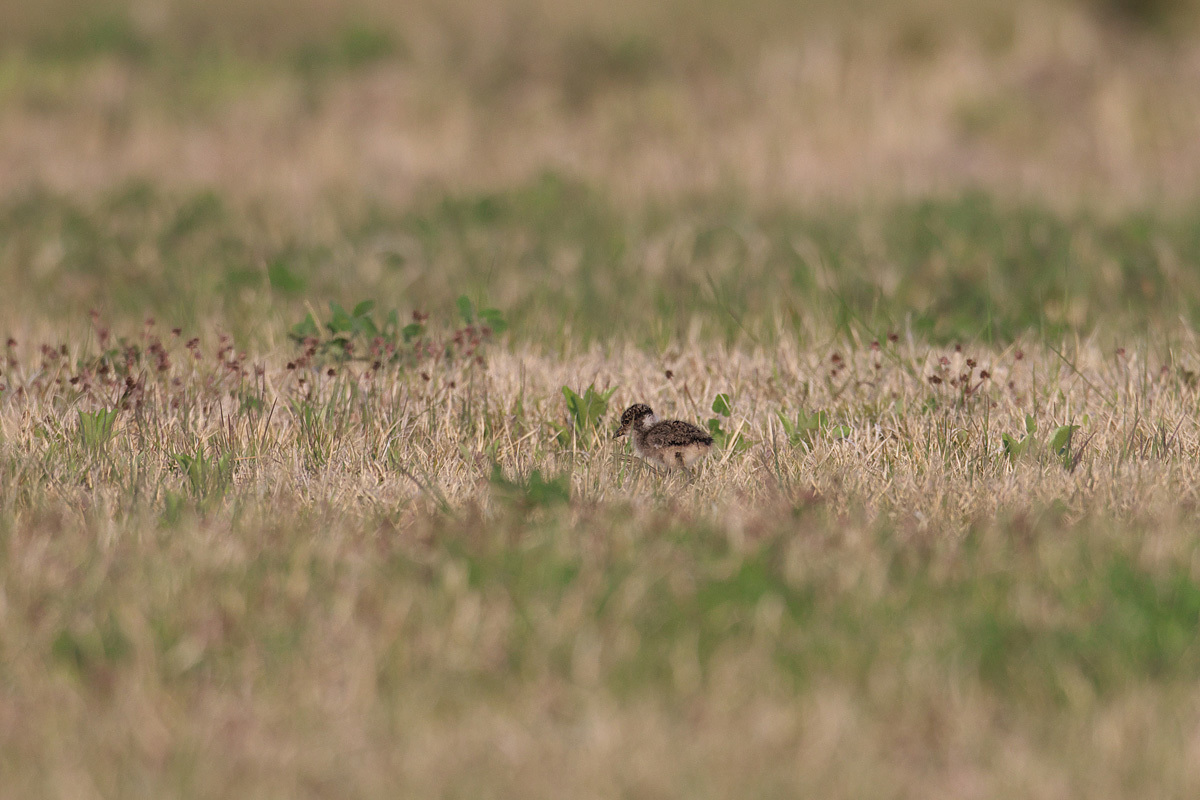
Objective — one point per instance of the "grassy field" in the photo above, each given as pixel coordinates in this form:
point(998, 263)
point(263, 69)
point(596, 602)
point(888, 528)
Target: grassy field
point(319, 317)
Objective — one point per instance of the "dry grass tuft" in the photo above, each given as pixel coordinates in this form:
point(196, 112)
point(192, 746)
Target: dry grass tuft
point(278, 580)
point(792, 102)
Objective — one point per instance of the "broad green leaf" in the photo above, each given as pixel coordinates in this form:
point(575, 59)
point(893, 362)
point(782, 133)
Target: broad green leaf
point(466, 309)
point(588, 409)
point(305, 329)
point(366, 326)
point(339, 320)
point(592, 407)
point(573, 400)
point(494, 319)
point(562, 434)
point(721, 405)
point(1062, 438)
point(789, 427)
point(283, 279)
point(1014, 447)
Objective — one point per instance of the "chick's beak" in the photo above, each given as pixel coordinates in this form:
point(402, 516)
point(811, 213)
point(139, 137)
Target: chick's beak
point(620, 432)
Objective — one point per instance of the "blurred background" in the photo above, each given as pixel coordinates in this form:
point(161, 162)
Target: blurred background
point(248, 155)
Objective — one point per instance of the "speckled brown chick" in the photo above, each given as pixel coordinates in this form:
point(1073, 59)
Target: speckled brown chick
point(670, 443)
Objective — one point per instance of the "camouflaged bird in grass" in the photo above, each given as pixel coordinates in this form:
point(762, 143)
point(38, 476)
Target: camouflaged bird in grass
point(669, 443)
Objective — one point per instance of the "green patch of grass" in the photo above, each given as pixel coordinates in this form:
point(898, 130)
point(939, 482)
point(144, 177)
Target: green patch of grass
point(1159, 16)
point(1119, 624)
point(91, 34)
point(586, 411)
point(966, 268)
point(208, 475)
point(96, 428)
point(556, 253)
point(1100, 618)
point(535, 491)
point(355, 46)
point(89, 648)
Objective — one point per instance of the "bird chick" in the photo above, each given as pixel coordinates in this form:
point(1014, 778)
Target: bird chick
point(669, 443)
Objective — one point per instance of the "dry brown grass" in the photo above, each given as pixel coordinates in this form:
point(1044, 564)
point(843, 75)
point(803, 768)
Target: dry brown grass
point(924, 450)
point(317, 626)
point(800, 105)
point(288, 573)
